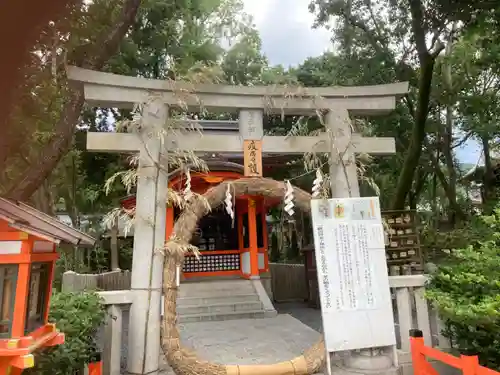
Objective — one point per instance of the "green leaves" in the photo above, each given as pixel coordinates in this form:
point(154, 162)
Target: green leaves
point(79, 316)
point(466, 291)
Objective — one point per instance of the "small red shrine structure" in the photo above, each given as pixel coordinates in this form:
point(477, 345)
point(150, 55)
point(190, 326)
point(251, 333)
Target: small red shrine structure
point(28, 240)
point(228, 248)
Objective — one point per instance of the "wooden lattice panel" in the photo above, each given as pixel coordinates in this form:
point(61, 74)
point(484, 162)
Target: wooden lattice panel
point(212, 263)
point(403, 247)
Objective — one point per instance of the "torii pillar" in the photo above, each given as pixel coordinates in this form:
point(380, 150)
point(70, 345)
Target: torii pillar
point(149, 240)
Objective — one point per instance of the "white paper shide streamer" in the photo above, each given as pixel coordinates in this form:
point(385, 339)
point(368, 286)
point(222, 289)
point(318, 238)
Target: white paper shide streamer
point(289, 205)
point(187, 189)
point(177, 276)
point(316, 189)
point(228, 201)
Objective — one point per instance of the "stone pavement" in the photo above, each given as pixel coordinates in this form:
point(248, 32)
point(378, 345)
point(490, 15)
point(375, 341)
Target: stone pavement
point(250, 341)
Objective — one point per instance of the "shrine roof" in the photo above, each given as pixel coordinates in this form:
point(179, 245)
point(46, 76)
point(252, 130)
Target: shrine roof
point(213, 165)
point(28, 219)
point(216, 165)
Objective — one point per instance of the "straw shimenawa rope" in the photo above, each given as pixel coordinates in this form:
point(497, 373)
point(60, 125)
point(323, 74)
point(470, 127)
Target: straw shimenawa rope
point(184, 361)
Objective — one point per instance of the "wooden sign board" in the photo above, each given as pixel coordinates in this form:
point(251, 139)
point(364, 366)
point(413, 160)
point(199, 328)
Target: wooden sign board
point(252, 158)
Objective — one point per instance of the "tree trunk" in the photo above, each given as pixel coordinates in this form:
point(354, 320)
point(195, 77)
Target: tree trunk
point(450, 166)
point(426, 60)
point(414, 195)
point(412, 158)
point(59, 145)
point(448, 138)
point(488, 186)
point(115, 264)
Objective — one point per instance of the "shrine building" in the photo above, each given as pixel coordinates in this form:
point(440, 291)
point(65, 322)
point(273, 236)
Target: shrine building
point(228, 247)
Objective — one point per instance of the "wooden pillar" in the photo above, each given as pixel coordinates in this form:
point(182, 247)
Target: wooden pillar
point(240, 236)
point(169, 227)
point(265, 237)
point(20, 304)
point(240, 231)
point(15, 371)
point(22, 291)
point(5, 366)
point(252, 239)
point(251, 129)
point(48, 295)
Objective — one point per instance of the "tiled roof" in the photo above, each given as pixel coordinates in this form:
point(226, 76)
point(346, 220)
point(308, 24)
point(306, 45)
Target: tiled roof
point(23, 217)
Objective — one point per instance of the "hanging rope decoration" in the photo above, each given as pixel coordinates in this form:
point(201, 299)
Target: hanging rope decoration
point(187, 189)
point(289, 205)
point(317, 183)
point(228, 201)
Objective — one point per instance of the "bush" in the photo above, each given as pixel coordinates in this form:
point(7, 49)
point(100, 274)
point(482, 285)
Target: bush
point(79, 316)
point(465, 289)
point(438, 243)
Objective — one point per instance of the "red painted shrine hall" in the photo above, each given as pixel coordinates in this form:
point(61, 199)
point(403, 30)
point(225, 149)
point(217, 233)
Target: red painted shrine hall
point(236, 248)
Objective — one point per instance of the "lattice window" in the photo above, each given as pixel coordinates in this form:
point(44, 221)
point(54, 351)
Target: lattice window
point(8, 281)
point(212, 263)
point(35, 310)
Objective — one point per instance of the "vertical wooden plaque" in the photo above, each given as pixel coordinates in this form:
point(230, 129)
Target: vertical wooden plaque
point(252, 158)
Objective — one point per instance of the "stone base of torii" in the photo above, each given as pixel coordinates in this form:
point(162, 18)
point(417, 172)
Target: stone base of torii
point(339, 103)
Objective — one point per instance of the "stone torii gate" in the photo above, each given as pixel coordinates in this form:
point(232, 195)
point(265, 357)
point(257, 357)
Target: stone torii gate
point(116, 91)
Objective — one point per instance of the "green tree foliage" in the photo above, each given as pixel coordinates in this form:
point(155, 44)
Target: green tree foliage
point(406, 39)
point(244, 63)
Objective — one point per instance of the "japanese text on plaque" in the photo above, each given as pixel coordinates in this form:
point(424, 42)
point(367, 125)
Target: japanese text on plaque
point(324, 269)
point(253, 158)
point(355, 276)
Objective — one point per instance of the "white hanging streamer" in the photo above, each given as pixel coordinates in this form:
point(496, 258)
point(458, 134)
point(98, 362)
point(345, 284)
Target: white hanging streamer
point(229, 202)
point(289, 205)
point(187, 190)
point(316, 189)
point(178, 276)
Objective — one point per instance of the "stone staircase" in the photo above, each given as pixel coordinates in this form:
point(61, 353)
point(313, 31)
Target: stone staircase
point(223, 300)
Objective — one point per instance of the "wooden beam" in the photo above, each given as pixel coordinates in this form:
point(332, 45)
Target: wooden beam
point(216, 143)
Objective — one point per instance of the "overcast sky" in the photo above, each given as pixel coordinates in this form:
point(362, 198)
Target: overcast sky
point(285, 27)
point(288, 38)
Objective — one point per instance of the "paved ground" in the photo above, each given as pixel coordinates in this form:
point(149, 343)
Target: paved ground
point(250, 341)
point(310, 317)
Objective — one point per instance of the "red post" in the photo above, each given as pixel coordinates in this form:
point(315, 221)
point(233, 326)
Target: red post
point(252, 239)
point(15, 371)
point(417, 358)
point(470, 364)
point(95, 368)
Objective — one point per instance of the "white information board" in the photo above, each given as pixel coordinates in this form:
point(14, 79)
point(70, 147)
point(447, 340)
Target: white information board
point(353, 281)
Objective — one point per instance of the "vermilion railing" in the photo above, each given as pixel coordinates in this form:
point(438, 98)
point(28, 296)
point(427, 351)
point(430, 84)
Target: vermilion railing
point(469, 365)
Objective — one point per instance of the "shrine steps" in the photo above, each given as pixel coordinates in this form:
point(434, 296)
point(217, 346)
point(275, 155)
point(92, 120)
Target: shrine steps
point(223, 300)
